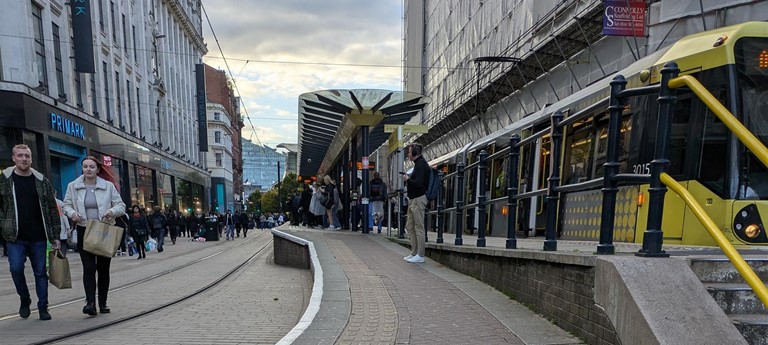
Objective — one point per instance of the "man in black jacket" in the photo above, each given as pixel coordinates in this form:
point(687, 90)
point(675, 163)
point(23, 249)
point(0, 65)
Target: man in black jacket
point(416, 183)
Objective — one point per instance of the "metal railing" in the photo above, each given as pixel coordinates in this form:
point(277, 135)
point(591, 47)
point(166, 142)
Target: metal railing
point(728, 249)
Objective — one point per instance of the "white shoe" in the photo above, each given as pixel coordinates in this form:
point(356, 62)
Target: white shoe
point(406, 258)
point(331, 227)
point(416, 259)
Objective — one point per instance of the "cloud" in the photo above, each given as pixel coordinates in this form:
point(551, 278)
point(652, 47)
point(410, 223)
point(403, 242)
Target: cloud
point(298, 46)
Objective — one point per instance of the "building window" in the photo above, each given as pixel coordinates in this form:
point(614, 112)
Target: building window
point(76, 74)
point(101, 14)
point(106, 91)
point(57, 60)
point(135, 47)
point(138, 114)
point(125, 37)
point(217, 116)
point(217, 137)
point(128, 91)
point(94, 99)
point(119, 101)
point(37, 23)
point(219, 158)
point(114, 26)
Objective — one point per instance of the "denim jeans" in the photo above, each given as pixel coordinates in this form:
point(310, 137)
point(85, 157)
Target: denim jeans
point(230, 231)
point(160, 239)
point(17, 256)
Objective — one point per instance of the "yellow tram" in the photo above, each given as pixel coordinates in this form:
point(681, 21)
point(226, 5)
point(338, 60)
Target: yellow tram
point(721, 173)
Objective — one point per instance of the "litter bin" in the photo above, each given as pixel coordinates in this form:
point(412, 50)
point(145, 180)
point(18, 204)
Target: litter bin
point(211, 229)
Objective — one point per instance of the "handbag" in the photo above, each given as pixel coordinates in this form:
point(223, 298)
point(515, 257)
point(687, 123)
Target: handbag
point(58, 270)
point(101, 238)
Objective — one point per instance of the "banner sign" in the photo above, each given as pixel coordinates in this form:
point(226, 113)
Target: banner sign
point(83, 36)
point(624, 18)
point(202, 119)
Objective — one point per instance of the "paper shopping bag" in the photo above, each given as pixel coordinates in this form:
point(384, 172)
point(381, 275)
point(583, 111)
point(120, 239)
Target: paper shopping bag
point(58, 271)
point(101, 238)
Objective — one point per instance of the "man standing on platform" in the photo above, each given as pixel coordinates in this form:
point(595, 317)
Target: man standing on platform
point(29, 220)
point(378, 196)
point(416, 183)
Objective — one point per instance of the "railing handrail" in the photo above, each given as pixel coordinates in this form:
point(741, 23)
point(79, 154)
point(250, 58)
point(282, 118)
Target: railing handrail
point(730, 251)
point(745, 136)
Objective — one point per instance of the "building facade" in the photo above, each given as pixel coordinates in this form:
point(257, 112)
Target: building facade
point(220, 90)
point(260, 165)
point(291, 152)
point(135, 109)
point(220, 143)
point(557, 48)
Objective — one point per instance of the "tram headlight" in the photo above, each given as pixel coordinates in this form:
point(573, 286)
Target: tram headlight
point(752, 230)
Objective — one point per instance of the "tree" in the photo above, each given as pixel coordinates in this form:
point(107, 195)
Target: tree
point(289, 187)
point(254, 202)
point(269, 201)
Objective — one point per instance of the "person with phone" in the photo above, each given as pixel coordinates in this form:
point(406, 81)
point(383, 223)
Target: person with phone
point(416, 183)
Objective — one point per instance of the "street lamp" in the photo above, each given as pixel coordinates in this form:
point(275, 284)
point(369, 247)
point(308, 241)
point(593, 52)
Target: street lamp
point(489, 59)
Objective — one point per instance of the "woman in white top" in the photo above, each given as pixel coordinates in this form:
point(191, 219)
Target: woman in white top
point(93, 195)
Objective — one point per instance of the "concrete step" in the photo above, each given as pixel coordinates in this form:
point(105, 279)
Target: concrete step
point(720, 270)
point(736, 298)
point(753, 327)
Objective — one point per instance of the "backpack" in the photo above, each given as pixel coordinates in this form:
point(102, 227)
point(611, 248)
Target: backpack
point(434, 184)
point(157, 222)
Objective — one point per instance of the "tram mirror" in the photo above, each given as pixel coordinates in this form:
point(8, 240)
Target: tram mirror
point(645, 75)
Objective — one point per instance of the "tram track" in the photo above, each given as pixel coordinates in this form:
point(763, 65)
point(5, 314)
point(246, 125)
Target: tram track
point(142, 313)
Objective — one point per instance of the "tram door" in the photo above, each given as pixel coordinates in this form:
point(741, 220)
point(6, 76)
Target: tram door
point(534, 176)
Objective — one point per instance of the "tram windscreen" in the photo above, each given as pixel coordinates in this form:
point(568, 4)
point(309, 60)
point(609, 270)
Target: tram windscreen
point(752, 65)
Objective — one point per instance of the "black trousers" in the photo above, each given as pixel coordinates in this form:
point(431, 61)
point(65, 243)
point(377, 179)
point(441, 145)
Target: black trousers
point(93, 265)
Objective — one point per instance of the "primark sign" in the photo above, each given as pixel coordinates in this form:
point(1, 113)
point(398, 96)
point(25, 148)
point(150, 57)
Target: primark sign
point(66, 126)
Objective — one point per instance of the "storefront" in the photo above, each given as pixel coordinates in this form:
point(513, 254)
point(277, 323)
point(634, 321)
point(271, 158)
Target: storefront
point(59, 141)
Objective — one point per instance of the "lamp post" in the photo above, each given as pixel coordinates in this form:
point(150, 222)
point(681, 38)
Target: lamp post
point(478, 61)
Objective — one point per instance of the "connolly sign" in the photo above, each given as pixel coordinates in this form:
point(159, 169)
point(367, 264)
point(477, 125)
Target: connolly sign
point(67, 127)
point(624, 18)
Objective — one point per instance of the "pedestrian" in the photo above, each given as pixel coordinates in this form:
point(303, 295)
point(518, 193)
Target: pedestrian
point(262, 221)
point(65, 228)
point(29, 220)
point(378, 193)
point(317, 209)
point(93, 195)
point(139, 227)
point(416, 183)
point(159, 224)
point(173, 224)
point(238, 225)
point(229, 224)
point(122, 222)
point(331, 192)
point(306, 200)
point(244, 222)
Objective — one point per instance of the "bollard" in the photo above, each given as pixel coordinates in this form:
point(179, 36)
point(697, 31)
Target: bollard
point(439, 217)
point(482, 196)
point(514, 156)
point(459, 204)
point(653, 237)
point(550, 242)
point(611, 167)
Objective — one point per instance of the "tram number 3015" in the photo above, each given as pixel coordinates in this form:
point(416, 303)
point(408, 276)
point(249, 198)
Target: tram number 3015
point(642, 169)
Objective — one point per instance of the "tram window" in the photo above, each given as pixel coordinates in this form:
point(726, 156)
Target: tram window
point(499, 177)
point(678, 135)
point(579, 155)
point(601, 147)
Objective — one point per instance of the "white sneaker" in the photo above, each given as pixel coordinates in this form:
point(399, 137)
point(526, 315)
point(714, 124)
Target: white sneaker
point(406, 258)
point(331, 227)
point(416, 259)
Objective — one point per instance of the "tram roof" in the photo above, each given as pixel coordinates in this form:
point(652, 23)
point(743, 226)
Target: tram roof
point(594, 93)
point(329, 119)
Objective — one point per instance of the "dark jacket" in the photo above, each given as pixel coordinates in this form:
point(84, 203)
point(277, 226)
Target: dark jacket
point(139, 226)
point(163, 220)
point(417, 182)
point(8, 210)
point(378, 190)
point(244, 219)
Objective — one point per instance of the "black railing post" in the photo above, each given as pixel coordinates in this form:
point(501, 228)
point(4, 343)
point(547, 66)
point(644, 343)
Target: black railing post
point(550, 242)
point(611, 167)
point(481, 197)
point(459, 204)
point(653, 237)
point(514, 156)
point(401, 215)
point(439, 216)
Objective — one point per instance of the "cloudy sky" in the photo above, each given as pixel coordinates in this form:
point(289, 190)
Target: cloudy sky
point(277, 50)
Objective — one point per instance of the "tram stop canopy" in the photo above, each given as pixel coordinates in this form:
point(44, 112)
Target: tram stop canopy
point(329, 119)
